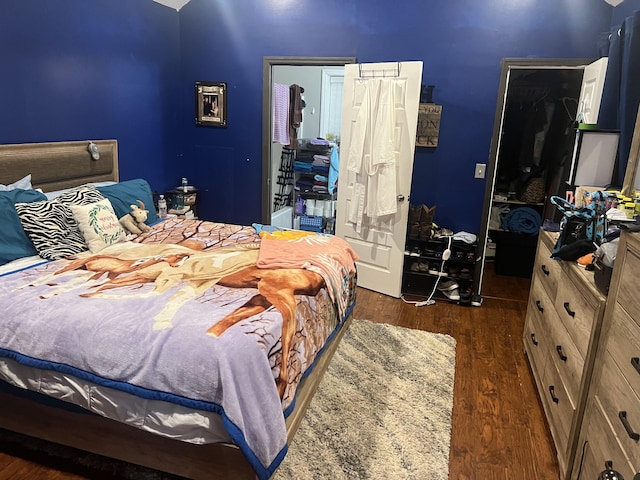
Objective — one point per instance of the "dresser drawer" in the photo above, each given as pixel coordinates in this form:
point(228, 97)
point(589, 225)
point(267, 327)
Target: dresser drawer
point(548, 269)
point(566, 357)
point(624, 346)
point(621, 406)
point(628, 295)
point(602, 446)
point(536, 336)
point(560, 411)
point(576, 314)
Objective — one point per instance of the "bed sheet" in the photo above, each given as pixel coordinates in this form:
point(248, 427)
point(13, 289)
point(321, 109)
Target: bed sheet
point(181, 315)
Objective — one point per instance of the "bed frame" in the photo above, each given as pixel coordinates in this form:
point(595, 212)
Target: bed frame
point(59, 165)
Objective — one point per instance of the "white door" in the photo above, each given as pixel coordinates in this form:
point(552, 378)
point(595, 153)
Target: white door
point(591, 91)
point(378, 238)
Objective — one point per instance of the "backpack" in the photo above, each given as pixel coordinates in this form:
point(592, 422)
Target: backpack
point(587, 225)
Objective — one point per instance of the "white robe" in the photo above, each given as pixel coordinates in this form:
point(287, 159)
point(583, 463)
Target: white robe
point(372, 154)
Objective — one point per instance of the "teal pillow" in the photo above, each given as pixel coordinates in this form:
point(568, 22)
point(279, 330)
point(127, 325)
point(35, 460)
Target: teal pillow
point(124, 194)
point(14, 242)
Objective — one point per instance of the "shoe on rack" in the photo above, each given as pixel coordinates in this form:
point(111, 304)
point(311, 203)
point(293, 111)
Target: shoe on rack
point(465, 274)
point(452, 294)
point(434, 268)
point(471, 257)
point(465, 298)
point(447, 285)
point(476, 300)
point(423, 267)
point(415, 252)
point(414, 267)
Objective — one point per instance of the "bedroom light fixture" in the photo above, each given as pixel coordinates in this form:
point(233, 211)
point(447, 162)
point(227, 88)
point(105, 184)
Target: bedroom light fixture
point(94, 150)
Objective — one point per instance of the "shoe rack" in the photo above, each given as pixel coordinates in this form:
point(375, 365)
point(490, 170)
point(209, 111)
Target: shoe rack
point(425, 264)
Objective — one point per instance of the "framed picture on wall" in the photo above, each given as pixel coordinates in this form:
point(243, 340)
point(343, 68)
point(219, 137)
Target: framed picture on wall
point(211, 104)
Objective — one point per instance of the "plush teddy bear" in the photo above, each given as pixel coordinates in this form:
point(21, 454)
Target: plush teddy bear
point(133, 222)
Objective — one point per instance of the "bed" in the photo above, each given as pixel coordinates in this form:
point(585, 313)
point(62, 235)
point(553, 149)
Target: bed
point(162, 349)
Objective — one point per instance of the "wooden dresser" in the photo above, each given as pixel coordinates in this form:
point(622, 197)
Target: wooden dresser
point(562, 327)
point(611, 427)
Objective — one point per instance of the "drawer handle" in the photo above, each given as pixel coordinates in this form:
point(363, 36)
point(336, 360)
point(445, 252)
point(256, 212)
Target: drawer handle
point(561, 354)
point(545, 270)
point(539, 306)
point(635, 361)
point(625, 423)
point(533, 339)
point(552, 391)
point(569, 311)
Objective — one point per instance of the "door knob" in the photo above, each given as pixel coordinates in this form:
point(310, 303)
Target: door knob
point(400, 198)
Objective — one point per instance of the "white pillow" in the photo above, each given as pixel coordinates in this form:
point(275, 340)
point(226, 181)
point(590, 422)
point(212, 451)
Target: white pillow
point(23, 183)
point(98, 224)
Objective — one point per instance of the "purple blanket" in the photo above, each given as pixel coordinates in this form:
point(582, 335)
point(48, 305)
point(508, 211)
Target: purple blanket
point(174, 323)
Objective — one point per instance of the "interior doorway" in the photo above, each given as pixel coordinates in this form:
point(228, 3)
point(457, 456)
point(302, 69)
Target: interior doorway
point(273, 69)
point(552, 87)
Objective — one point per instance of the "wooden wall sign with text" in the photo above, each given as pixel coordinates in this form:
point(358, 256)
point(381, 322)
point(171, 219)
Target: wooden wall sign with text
point(428, 124)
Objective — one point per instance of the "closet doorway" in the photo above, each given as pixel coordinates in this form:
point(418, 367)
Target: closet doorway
point(279, 70)
point(553, 88)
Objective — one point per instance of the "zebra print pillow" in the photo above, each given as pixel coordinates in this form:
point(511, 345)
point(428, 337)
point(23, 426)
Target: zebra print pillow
point(50, 224)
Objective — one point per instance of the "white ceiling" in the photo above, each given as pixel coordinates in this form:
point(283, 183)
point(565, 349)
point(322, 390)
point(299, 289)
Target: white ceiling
point(178, 4)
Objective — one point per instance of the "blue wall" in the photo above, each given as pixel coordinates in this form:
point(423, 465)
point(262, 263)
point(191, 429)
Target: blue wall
point(624, 10)
point(93, 69)
point(87, 69)
point(460, 41)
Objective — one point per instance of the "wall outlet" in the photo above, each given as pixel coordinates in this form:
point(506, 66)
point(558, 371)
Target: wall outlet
point(481, 170)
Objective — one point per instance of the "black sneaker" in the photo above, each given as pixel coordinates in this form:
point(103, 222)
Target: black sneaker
point(476, 300)
point(465, 298)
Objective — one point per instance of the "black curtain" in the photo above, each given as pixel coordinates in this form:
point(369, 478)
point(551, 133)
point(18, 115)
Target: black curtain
point(621, 93)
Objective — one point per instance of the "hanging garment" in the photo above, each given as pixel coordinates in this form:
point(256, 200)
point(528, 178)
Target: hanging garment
point(334, 168)
point(295, 113)
point(372, 155)
point(280, 114)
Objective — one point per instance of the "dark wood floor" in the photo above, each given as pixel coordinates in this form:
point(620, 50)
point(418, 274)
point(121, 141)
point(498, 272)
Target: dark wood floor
point(499, 431)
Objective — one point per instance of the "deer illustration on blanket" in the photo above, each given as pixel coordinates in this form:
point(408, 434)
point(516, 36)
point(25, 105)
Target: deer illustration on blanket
point(191, 272)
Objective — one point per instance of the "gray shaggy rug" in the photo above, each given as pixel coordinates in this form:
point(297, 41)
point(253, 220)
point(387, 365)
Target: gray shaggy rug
point(382, 411)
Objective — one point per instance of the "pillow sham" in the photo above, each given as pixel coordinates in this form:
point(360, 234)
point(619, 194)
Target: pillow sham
point(124, 194)
point(98, 224)
point(50, 224)
point(14, 242)
point(23, 183)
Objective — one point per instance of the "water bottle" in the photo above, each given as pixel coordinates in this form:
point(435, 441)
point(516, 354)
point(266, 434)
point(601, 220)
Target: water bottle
point(162, 207)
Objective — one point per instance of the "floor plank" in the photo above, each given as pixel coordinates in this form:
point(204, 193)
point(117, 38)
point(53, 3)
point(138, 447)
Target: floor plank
point(498, 432)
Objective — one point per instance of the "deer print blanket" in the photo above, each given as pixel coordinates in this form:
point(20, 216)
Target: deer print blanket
point(184, 315)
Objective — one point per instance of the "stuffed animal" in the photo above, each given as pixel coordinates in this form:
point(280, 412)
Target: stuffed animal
point(133, 222)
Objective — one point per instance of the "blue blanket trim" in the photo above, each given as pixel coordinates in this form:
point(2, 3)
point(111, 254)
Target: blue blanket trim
point(149, 394)
point(24, 268)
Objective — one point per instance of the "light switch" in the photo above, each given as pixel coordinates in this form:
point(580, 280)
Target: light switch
point(481, 170)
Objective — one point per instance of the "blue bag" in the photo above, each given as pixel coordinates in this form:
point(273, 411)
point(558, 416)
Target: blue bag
point(585, 224)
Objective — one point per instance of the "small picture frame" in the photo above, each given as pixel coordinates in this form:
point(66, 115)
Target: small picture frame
point(211, 104)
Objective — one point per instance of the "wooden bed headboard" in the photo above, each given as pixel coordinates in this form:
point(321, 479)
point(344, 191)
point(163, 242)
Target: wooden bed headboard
point(58, 165)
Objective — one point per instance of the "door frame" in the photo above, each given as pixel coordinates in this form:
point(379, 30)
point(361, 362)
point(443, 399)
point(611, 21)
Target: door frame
point(507, 64)
point(267, 161)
